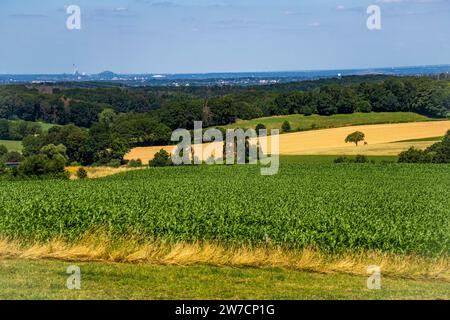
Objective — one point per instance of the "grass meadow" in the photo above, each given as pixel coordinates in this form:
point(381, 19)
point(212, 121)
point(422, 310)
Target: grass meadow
point(46, 279)
point(12, 145)
point(301, 122)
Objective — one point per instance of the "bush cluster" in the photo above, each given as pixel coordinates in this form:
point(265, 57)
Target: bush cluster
point(437, 153)
point(357, 159)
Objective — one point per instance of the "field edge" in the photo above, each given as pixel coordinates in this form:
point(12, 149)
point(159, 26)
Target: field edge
point(98, 248)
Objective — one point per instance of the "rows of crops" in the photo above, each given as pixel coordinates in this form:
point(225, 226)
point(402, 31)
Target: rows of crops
point(395, 208)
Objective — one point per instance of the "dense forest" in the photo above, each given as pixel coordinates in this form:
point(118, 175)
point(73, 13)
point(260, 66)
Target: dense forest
point(119, 118)
point(17, 130)
point(178, 107)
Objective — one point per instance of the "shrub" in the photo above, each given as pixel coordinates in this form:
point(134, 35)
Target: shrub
point(135, 163)
point(13, 156)
point(437, 153)
point(440, 151)
point(286, 126)
point(3, 150)
point(363, 106)
point(114, 163)
point(306, 110)
point(357, 159)
point(35, 165)
point(341, 160)
point(52, 151)
point(82, 173)
point(50, 162)
point(260, 126)
point(361, 159)
point(413, 155)
point(61, 175)
point(161, 159)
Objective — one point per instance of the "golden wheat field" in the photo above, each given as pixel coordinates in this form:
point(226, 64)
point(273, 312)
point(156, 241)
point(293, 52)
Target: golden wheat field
point(379, 138)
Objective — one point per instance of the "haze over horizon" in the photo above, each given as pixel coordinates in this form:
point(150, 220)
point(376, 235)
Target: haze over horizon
point(234, 72)
point(210, 36)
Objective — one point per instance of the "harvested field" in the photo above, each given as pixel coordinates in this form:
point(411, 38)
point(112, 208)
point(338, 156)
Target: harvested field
point(145, 153)
point(326, 141)
point(331, 141)
point(98, 172)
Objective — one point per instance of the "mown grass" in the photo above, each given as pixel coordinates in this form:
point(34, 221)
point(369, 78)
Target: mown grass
point(44, 125)
point(41, 279)
point(300, 122)
point(12, 145)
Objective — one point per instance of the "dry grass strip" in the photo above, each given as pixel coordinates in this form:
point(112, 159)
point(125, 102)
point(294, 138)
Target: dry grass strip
point(95, 247)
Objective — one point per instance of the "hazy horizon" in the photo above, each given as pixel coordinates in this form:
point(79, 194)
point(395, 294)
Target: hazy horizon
point(239, 72)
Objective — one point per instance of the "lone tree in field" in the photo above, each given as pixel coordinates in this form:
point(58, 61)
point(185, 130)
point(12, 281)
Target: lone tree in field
point(355, 137)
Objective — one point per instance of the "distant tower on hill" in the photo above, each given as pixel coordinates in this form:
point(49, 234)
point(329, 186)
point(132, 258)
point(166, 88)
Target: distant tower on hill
point(75, 70)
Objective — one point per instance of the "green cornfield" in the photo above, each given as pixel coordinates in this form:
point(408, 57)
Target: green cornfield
point(387, 207)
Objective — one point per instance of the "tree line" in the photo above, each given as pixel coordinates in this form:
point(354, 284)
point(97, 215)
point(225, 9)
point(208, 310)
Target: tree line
point(100, 125)
point(436, 153)
point(19, 129)
point(178, 107)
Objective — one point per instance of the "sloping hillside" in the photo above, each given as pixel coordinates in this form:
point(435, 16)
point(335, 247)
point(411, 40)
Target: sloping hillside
point(331, 141)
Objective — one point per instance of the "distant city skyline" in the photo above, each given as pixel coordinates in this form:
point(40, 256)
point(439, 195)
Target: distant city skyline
point(213, 36)
point(269, 73)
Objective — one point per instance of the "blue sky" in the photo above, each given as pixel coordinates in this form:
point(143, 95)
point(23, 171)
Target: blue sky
point(184, 36)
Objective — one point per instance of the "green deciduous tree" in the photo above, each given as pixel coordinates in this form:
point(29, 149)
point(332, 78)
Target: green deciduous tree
point(161, 159)
point(3, 150)
point(260, 126)
point(355, 137)
point(13, 156)
point(102, 146)
point(363, 106)
point(286, 126)
point(107, 117)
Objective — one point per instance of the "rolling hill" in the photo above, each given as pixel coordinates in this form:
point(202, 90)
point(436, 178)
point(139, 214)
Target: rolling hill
point(331, 141)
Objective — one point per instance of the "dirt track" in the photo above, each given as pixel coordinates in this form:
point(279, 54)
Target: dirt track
point(331, 141)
